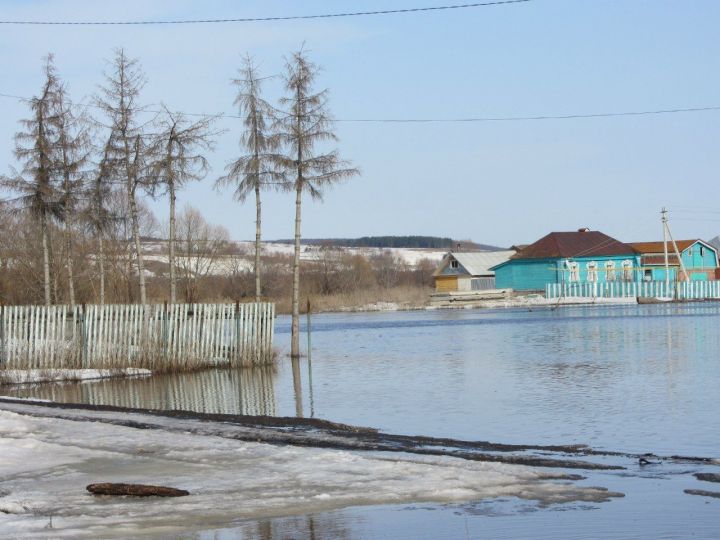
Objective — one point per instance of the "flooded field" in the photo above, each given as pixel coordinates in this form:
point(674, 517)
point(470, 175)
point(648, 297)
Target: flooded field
point(630, 379)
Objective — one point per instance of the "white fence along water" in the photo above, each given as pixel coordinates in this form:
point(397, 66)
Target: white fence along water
point(685, 290)
point(157, 337)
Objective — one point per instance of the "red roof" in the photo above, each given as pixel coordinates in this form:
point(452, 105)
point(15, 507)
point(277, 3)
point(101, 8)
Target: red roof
point(583, 243)
point(659, 247)
point(659, 260)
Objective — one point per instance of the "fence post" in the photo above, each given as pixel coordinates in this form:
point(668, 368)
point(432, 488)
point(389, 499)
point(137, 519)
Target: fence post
point(165, 331)
point(83, 337)
point(3, 356)
point(238, 339)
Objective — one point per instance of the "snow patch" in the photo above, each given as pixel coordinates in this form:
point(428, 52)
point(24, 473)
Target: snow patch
point(45, 464)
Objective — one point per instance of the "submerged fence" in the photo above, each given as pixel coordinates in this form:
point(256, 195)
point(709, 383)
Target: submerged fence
point(685, 290)
point(157, 337)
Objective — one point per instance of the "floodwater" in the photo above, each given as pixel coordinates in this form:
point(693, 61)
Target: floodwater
point(621, 378)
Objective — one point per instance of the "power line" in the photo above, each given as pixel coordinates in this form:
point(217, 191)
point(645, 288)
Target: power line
point(266, 19)
point(529, 118)
point(441, 120)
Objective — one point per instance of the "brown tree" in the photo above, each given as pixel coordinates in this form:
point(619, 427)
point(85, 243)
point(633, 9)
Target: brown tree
point(34, 184)
point(307, 124)
point(126, 149)
point(71, 154)
point(98, 214)
point(177, 160)
point(259, 167)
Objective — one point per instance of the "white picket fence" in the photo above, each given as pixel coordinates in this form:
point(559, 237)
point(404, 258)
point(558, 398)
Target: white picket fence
point(686, 290)
point(157, 337)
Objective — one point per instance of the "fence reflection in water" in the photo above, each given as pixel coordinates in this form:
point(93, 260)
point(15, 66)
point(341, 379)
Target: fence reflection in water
point(248, 391)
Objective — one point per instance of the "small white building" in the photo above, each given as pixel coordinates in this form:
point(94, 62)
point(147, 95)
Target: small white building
point(469, 271)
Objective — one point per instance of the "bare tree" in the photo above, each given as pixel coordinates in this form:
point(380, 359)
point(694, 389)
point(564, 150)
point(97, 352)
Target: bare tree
point(119, 100)
point(177, 160)
point(71, 155)
point(99, 215)
point(307, 124)
point(257, 169)
point(200, 248)
point(34, 148)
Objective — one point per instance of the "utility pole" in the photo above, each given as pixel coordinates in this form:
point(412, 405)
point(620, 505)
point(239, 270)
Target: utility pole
point(664, 219)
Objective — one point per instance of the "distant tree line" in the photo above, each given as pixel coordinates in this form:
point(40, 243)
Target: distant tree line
point(84, 171)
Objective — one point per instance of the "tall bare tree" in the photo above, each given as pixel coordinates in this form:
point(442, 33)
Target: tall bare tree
point(34, 149)
point(71, 154)
point(307, 124)
point(99, 215)
point(126, 149)
point(258, 168)
point(178, 159)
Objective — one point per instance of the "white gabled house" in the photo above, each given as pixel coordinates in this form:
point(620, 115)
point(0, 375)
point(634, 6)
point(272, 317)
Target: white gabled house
point(469, 271)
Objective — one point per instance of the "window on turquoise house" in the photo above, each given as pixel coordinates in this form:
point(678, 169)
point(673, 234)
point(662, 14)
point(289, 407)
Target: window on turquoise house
point(592, 274)
point(610, 271)
point(574, 270)
point(627, 267)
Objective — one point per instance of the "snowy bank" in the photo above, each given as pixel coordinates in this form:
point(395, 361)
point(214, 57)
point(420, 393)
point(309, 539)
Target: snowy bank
point(29, 376)
point(47, 462)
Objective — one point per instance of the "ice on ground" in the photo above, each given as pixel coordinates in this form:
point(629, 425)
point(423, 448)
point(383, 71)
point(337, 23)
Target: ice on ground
point(45, 464)
point(26, 376)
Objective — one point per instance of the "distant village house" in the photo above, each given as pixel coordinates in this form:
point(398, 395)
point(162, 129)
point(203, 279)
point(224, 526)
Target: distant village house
point(468, 271)
point(586, 256)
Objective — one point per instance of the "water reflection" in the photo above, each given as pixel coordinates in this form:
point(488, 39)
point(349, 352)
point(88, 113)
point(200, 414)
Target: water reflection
point(635, 378)
point(312, 527)
point(248, 391)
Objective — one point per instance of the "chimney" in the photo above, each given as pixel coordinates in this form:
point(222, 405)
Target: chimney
point(584, 229)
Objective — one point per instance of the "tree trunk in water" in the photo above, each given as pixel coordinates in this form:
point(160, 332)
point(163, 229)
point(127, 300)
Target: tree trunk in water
point(101, 260)
point(71, 279)
point(258, 291)
point(297, 386)
point(138, 249)
point(46, 257)
point(295, 327)
point(173, 277)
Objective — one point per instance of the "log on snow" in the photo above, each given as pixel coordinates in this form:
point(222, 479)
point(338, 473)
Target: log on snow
point(135, 490)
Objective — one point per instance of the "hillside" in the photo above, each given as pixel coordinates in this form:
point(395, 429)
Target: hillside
point(413, 242)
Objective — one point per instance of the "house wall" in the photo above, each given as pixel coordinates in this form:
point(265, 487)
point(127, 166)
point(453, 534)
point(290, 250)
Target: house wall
point(534, 274)
point(464, 283)
point(525, 274)
point(602, 273)
point(446, 283)
point(699, 263)
point(658, 273)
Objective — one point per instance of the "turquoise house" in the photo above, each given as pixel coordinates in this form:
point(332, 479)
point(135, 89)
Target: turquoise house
point(567, 257)
point(699, 258)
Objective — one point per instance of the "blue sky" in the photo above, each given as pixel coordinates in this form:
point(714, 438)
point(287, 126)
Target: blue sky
point(496, 182)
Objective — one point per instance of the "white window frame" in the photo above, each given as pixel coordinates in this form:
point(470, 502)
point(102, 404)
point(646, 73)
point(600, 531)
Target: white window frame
point(454, 264)
point(592, 272)
point(610, 272)
point(574, 271)
point(627, 270)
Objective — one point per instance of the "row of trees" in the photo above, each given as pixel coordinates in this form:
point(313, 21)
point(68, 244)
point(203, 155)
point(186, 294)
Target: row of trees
point(209, 266)
point(74, 165)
